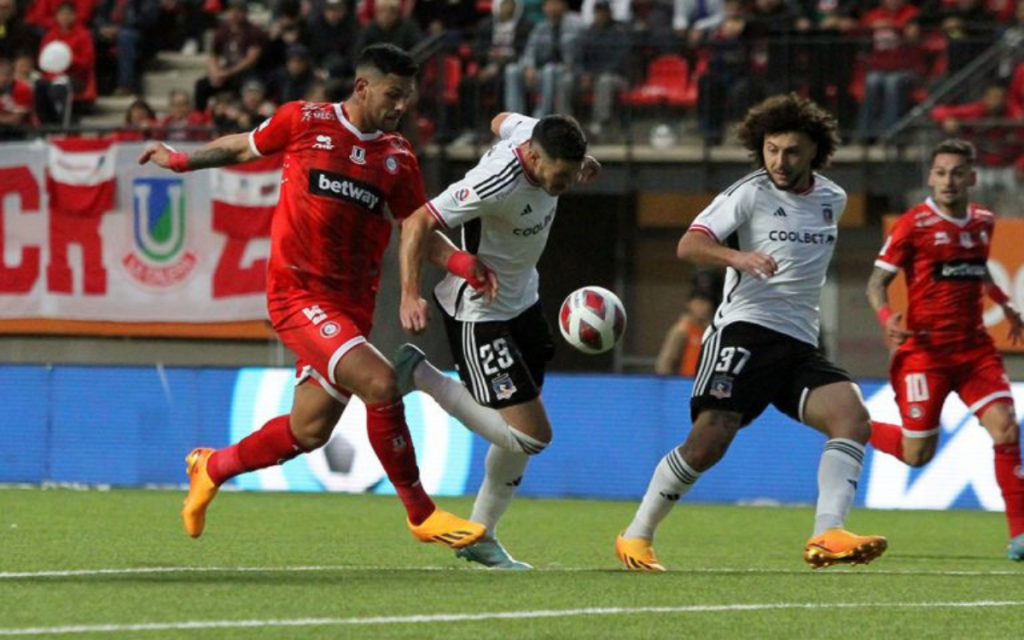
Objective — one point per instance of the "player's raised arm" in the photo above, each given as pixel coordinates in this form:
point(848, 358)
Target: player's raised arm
point(497, 121)
point(700, 247)
point(224, 151)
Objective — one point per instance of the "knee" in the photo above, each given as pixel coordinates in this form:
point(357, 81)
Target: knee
point(381, 388)
point(1006, 432)
point(702, 455)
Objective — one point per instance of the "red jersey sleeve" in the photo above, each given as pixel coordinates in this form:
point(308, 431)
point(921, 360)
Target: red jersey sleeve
point(896, 252)
point(275, 134)
point(408, 194)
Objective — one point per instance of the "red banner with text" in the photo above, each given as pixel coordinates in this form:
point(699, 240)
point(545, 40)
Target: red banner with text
point(90, 238)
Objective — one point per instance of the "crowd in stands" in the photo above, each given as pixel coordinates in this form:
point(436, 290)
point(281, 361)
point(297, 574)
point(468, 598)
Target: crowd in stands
point(867, 60)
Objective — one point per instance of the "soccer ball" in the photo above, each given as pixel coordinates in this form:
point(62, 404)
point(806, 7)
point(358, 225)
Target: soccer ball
point(592, 319)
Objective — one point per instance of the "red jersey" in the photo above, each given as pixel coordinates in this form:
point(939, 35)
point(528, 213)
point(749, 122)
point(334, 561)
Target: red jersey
point(330, 227)
point(17, 97)
point(944, 261)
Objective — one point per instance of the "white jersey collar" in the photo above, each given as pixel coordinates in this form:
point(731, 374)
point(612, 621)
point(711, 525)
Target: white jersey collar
point(339, 109)
point(960, 222)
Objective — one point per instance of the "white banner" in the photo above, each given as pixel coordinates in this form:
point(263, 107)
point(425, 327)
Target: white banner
point(174, 248)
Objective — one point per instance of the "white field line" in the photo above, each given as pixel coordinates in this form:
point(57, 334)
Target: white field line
point(499, 615)
point(127, 571)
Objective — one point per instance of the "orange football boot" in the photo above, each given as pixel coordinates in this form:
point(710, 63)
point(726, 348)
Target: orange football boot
point(637, 554)
point(201, 491)
point(838, 546)
point(448, 529)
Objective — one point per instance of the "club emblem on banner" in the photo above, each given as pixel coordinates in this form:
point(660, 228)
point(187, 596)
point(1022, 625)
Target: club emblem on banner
point(159, 257)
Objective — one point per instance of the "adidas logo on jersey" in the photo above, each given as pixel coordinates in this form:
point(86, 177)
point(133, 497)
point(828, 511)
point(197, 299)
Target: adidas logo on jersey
point(527, 211)
point(780, 213)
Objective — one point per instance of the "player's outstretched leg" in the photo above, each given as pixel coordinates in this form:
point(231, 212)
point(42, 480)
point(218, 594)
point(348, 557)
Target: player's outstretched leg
point(1015, 550)
point(407, 358)
point(201, 491)
point(491, 554)
point(447, 529)
point(838, 546)
point(637, 554)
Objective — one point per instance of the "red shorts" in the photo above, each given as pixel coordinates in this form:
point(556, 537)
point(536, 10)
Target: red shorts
point(320, 332)
point(923, 377)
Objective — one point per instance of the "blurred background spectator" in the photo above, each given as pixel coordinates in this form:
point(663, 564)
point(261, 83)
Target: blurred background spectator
point(15, 37)
point(389, 26)
point(548, 63)
point(499, 40)
point(139, 122)
point(967, 26)
point(79, 76)
point(333, 32)
point(892, 67)
point(237, 48)
point(680, 348)
point(16, 103)
point(254, 107)
point(182, 122)
point(123, 31)
point(605, 50)
point(293, 80)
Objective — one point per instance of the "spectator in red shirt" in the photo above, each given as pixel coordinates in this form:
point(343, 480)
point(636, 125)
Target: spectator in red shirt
point(139, 121)
point(82, 72)
point(41, 14)
point(15, 103)
point(892, 65)
point(183, 123)
point(1015, 94)
point(237, 48)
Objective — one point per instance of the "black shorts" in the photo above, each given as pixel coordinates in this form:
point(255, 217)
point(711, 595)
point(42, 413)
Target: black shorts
point(745, 367)
point(502, 362)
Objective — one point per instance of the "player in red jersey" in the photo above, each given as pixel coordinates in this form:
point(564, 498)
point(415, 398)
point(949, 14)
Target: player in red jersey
point(942, 246)
point(344, 169)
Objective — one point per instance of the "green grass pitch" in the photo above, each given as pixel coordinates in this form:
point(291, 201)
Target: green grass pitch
point(116, 564)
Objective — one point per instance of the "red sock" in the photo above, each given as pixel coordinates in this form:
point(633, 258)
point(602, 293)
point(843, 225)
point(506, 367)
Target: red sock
point(1011, 482)
point(390, 439)
point(273, 444)
point(887, 438)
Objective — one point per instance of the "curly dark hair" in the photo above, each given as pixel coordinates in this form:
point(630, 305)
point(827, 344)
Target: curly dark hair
point(786, 114)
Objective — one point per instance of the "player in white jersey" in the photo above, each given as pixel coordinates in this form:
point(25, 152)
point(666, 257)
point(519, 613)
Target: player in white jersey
point(500, 341)
point(774, 230)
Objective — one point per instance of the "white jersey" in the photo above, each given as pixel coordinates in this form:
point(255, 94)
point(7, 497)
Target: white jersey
point(506, 219)
point(797, 229)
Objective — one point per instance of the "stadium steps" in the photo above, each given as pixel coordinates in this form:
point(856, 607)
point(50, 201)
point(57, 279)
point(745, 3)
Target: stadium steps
point(174, 71)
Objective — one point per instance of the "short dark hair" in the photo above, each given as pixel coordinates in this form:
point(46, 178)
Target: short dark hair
point(956, 146)
point(388, 59)
point(789, 113)
point(561, 137)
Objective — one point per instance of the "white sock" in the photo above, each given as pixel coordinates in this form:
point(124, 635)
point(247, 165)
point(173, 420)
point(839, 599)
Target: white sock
point(504, 472)
point(838, 474)
point(672, 480)
point(459, 403)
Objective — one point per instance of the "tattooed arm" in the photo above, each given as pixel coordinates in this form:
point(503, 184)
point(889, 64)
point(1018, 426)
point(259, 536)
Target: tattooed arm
point(226, 150)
